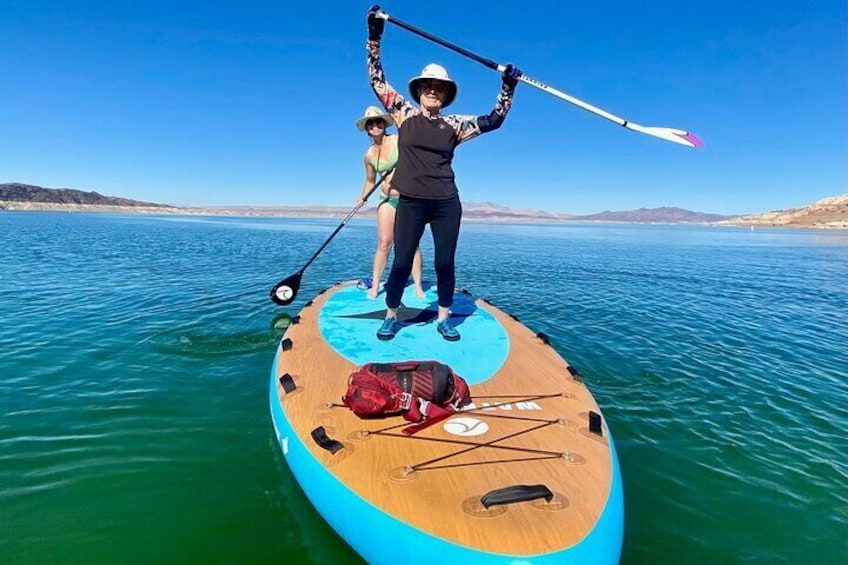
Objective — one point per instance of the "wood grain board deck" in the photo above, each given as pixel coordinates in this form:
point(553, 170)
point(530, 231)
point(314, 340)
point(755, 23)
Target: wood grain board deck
point(534, 411)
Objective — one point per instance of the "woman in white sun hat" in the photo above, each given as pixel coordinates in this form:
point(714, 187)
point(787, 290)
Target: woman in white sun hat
point(424, 176)
point(381, 157)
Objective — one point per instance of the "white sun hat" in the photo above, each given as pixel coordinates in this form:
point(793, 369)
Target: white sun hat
point(374, 113)
point(435, 72)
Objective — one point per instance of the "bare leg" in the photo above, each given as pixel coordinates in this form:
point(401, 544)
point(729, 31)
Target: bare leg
point(417, 267)
point(385, 237)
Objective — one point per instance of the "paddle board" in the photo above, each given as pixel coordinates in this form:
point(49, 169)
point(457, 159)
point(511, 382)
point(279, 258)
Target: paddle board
point(527, 473)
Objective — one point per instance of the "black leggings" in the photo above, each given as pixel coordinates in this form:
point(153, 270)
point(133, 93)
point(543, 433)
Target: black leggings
point(412, 215)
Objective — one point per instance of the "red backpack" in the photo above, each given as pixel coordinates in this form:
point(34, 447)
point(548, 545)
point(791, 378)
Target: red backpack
point(417, 389)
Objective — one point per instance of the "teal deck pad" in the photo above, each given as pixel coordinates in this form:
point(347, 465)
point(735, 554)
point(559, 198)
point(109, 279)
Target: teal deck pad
point(349, 322)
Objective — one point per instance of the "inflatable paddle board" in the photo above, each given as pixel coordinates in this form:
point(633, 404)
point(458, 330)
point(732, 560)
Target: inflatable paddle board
point(527, 473)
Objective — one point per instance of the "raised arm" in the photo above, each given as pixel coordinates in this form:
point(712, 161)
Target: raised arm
point(469, 127)
point(392, 101)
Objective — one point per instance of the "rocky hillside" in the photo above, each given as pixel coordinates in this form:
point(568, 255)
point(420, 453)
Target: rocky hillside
point(656, 215)
point(831, 212)
point(20, 193)
point(642, 215)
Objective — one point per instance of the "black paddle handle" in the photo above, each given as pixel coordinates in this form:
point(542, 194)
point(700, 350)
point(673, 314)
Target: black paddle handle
point(347, 218)
point(482, 60)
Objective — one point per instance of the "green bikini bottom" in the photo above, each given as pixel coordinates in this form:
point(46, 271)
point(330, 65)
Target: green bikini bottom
point(393, 202)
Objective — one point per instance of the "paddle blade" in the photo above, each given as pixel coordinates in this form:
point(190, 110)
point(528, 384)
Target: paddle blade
point(669, 134)
point(285, 291)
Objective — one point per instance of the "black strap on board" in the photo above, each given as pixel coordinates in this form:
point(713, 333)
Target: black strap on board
point(288, 383)
point(575, 374)
point(595, 423)
point(320, 436)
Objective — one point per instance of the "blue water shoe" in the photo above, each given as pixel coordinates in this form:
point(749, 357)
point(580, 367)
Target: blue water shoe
point(445, 327)
point(388, 329)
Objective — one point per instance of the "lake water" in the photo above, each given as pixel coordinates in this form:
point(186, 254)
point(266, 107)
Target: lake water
point(135, 350)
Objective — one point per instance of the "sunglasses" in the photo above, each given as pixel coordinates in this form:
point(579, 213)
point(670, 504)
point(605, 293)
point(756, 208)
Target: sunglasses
point(375, 122)
point(434, 85)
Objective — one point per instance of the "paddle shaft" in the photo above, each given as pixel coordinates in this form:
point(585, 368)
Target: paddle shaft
point(482, 60)
point(497, 67)
point(345, 221)
point(669, 134)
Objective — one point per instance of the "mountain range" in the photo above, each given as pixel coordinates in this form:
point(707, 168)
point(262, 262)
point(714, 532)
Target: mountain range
point(18, 192)
point(829, 212)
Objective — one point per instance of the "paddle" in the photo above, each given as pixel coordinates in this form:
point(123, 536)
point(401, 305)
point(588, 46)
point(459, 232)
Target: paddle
point(285, 291)
point(669, 134)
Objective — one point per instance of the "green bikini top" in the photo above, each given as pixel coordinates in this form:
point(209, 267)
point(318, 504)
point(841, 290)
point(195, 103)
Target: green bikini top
point(384, 166)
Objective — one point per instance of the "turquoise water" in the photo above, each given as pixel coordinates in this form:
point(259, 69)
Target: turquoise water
point(134, 354)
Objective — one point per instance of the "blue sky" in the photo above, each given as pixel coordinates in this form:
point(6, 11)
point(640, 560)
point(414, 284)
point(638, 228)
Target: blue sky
point(253, 103)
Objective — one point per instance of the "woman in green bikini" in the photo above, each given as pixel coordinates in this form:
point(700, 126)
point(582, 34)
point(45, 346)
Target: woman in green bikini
point(379, 158)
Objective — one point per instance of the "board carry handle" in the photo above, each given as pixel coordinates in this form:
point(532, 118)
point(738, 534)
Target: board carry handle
point(516, 493)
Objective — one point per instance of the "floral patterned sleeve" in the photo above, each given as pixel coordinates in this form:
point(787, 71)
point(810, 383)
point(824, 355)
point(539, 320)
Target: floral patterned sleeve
point(390, 98)
point(469, 127)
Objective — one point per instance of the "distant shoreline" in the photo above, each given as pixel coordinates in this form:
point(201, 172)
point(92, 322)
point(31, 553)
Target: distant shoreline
point(329, 212)
point(827, 213)
point(317, 212)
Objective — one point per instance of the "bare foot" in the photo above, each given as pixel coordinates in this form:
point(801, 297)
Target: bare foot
point(372, 294)
point(419, 292)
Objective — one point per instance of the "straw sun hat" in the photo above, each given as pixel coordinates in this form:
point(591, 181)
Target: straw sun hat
point(374, 113)
point(435, 72)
